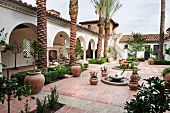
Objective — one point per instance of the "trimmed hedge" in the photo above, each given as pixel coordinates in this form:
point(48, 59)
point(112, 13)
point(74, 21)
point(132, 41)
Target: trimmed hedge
point(162, 62)
point(133, 59)
point(96, 61)
point(57, 73)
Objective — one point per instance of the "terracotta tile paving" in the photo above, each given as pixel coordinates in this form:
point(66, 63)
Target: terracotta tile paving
point(81, 97)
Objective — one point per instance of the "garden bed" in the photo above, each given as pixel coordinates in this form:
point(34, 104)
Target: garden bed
point(49, 110)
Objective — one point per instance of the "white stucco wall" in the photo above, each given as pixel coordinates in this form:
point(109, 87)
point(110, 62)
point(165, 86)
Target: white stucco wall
point(12, 18)
point(140, 54)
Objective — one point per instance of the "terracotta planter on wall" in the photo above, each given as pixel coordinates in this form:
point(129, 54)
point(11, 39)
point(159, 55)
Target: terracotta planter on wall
point(36, 80)
point(166, 77)
point(76, 70)
point(151, 61)
point(93, 81)
point(133, 85)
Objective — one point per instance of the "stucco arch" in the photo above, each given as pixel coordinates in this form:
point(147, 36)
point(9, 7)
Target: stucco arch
point(23, 31)
point(19, 33)
point(92, 42)
point(62, 39)
point(82, 42)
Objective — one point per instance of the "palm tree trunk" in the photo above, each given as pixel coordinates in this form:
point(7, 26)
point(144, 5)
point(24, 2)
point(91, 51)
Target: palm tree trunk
point(162, 27)
point(100, 36)
point(42, 33)
point(73, 11)
point(107, 34)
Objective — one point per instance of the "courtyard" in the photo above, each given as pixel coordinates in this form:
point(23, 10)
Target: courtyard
point(80, 97)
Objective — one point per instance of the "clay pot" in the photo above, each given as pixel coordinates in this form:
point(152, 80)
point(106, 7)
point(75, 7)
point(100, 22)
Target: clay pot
point(110, 60)
point(151, 61)
point(93, 81)
point(104, 74)
point(166, 77)
point(133, 85)
point(76, 70)
point(36, 80)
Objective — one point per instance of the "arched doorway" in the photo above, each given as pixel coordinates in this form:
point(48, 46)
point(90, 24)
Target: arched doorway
point(91, 46)
point(61, 45)
point(23, 34)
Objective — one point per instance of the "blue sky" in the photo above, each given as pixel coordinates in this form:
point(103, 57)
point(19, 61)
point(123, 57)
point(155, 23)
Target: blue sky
point(138, 16)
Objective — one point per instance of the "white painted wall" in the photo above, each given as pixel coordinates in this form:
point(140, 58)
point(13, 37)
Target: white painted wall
point(140, 54)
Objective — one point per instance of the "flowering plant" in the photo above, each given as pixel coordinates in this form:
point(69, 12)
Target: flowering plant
point(93, 74)
point(134, 78)
point(104, 69)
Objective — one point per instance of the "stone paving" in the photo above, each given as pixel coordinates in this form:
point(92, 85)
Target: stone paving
point(81, 97)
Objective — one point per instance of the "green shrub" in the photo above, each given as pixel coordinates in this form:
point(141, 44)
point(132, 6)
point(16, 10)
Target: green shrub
point(61, 73)
point(165, 71)
point(47, 77)
point(96, 61)
point(20, 76)
point(162, 62)
point(67, 69)
point(133, 59)
point(150, 98)
point(86, 65)
point(141, 59)
point(54, 75)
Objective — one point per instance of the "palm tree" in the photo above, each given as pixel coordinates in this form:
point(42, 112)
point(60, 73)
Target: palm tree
point(73, 12)
point(100, 6)
point(111, 7)
point(42, 33)
point(162, 28)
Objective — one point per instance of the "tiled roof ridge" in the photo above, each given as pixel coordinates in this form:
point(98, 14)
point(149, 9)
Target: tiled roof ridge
point(53, 15)
point(149, 37)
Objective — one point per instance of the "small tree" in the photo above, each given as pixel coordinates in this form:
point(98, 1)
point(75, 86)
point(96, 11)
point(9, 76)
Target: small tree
point(17, 48)
point(136, 44)
point(37, 51)
point(9, 88)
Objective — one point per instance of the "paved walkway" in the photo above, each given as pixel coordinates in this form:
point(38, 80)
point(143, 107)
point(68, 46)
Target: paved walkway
point(81, 97)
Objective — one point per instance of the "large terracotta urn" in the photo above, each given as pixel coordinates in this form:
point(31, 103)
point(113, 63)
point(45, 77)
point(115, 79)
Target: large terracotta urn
point(36, 80)
point(166, 77)
point(150, 61)
point(76, 70)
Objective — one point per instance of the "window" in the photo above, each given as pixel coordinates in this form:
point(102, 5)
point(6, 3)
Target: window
point(26, 48)
point(89, 27)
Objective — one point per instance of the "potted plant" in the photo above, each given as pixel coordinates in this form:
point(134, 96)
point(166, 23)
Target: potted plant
point(93, 79)
point(150, 98)
point(104, 71)
point(110, 59)
point(151, 60)
point(166, 74)
point(134, 78)
point(35, 78)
